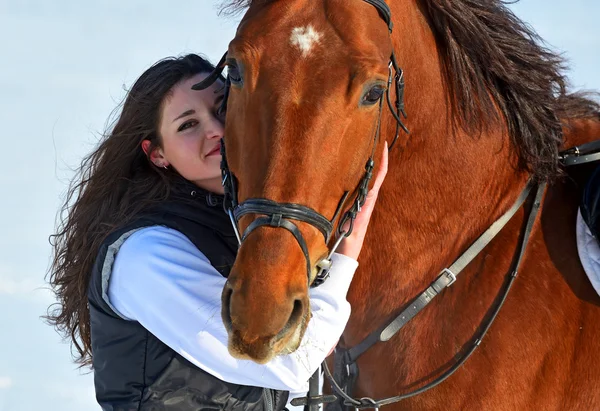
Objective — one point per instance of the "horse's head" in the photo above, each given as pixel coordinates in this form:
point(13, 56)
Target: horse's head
point(307, 88)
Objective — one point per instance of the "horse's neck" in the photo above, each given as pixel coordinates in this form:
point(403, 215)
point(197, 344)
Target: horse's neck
point(581, 130)
point(437, 198)
point(551, 287)
point(440, 194)
point(421, 226)
point(399, 265)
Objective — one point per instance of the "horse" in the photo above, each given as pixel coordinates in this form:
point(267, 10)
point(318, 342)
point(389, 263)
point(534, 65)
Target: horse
point(488, 115)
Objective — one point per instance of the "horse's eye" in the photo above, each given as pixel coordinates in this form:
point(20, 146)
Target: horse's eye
point(373, 95)
point(234, 73)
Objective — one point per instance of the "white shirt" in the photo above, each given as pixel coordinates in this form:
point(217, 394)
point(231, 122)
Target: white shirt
point(160, 279)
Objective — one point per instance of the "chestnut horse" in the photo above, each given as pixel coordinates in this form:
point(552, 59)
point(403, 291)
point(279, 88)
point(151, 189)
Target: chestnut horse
point(485, 103)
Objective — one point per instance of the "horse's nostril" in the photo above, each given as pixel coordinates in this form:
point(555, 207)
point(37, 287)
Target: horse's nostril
point(296, 312)
point(226, 305)
point(293, 321)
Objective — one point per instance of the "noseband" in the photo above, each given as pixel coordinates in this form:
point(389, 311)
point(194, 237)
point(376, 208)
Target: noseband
point(284, 215)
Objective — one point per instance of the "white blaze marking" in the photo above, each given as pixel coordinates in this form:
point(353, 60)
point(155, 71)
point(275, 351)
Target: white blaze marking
point(305, 38)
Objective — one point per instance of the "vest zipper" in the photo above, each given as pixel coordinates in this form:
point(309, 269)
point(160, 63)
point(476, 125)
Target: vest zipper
point(268, 400)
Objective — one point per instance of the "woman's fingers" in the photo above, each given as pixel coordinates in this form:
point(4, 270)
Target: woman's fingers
point(383, 168)
point(381, 173)
point(352, 245)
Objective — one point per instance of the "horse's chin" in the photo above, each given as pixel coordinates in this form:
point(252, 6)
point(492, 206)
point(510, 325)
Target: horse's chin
point(263, 350)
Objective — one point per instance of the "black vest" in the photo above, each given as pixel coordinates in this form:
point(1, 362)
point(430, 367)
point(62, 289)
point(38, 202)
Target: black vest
point(134, 370)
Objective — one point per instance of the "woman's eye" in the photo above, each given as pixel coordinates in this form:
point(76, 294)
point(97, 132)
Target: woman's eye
point(373, 95)
point(187, 124)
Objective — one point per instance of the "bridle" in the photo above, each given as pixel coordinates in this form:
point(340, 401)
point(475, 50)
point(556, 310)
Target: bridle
point(284, 215)
point(281, 214)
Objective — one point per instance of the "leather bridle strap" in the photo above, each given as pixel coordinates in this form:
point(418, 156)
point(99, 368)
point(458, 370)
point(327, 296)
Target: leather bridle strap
point(278, 221)
point(276, 211)
point(398, 78)
point(445, 279)
point(448, 275)
point(351, 355)
point(278, 216)
point(384, 11)
point(213, 76)
point(585, 153)
point(286, 210)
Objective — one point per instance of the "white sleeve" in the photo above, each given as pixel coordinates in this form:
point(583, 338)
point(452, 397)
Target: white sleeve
point(160, 279)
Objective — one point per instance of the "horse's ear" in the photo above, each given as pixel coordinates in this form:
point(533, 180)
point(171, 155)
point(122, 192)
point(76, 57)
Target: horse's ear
point(212, 77)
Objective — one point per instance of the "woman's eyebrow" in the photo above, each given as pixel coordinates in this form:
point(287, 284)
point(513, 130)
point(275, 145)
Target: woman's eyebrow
point(185, 114)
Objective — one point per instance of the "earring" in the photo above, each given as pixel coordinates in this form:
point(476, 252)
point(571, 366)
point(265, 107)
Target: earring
point(165, 167)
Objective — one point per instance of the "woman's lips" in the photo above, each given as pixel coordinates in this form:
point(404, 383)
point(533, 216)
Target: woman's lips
point(215, 151)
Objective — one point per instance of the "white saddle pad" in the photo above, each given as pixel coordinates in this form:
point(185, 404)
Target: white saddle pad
point(589, 252)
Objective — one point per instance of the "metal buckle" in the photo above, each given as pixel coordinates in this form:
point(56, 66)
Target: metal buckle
point(367, 403)
point(450, 275)
point(323, 274)
point(325, 264)
point(572, 152)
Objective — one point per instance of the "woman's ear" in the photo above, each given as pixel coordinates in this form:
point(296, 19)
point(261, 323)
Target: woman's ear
point(156, 156)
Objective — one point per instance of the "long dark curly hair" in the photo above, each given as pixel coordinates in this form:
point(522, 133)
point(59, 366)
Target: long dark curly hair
point(113, 184)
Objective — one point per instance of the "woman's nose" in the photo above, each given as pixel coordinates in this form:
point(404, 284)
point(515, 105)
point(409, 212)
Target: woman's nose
point(214, 128)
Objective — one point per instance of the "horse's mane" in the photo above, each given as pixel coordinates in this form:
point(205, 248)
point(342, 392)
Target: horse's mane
point(494, 60)
point(235, 6)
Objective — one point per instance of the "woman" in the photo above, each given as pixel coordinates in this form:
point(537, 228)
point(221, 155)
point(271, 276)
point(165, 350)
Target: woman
point(143, 252)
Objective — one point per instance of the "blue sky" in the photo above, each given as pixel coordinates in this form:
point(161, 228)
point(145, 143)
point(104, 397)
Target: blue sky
point(64, 67)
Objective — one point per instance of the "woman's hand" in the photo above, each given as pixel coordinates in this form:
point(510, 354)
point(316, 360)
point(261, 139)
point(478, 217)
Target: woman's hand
point(351, 245)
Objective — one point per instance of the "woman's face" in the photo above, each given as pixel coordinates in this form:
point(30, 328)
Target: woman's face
point(191, 133)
